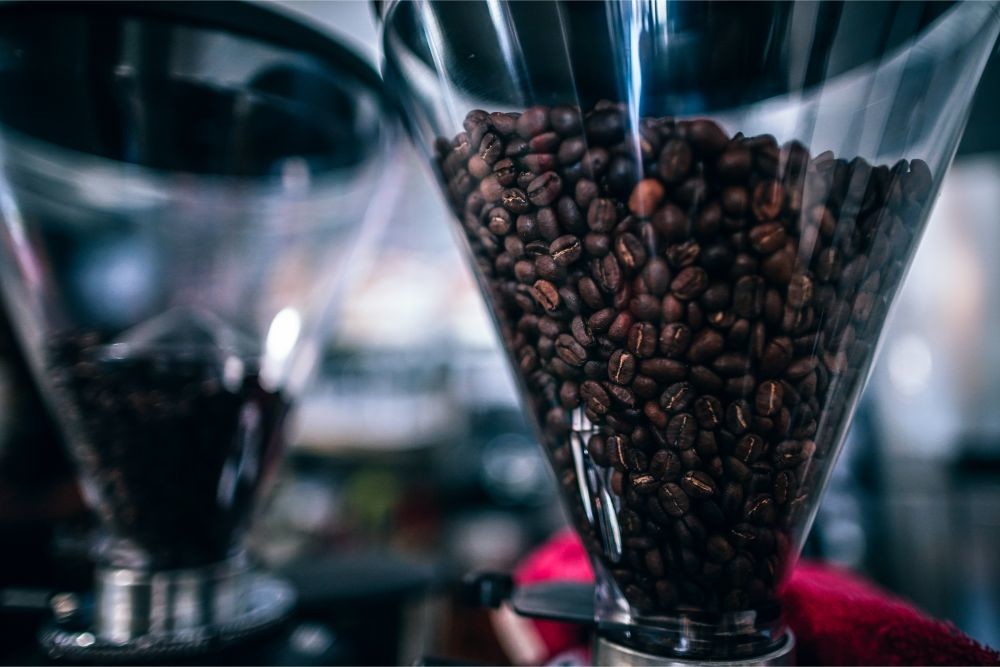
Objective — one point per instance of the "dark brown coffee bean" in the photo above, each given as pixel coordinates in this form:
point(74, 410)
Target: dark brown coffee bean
point(719, 549)
point(598, 450)
point(646, 307)
point(706, 345)
point(705, 136)
point(645, 387)
point(607, 273)
point(741, 386)
point(621, 394)
point(749, 449)
point(760, 510)
point(770, 395)
point(778, 267)
point(601, 215)
point(789, 454)
point(630, 252)
point(768, 197)
point(514, 200)
point(590, 293)
point(731, 364)
point(738, 417)
point(549, 269)
point(642, 339)
point(705, 380)
point(800, 291)
point(677, 397)
point(621, 367)
point(734, 163)
point(656, 273)
point(674, 161)
point(673, 499)
point(698, 484)
point(665, 465)
point(682, 431)
point(565, 250)
point(596, 397)
point(619, 328)
point(777, 356)
point(546, 294)
point(768, 237)
point(675, 339)
point(532, 122)
point(545, 189)
point(581, 332)
point(618, 452)
point(686, 254)
point(671, 222)
point(784, 486)
point(570, 351)
point(663, 370)
point(708, 410)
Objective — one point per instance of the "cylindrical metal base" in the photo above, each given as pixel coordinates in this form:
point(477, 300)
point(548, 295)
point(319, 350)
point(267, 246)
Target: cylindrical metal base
point(138, 615)
point(609, 653)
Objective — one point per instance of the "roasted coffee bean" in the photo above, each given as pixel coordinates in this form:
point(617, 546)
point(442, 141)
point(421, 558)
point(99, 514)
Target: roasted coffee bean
point(677, 397)
point(682, 431)
point(646, 197)
point(565, 250)
point(596, 398)
point(665, 465)
point(769, 398)
point(738, 417)
point(698, 484)
point(689, 283)
point(546, 294)
point(749, 448)
point(767, 199)
point(719, 549)
point(706, 345)
point(708, 410)
point(675, 339)
point(642, 339)
point(674, 161)
point(630, 252)
point(570, 351)
point(673, 499)
point(621, 367)
point(601, 215)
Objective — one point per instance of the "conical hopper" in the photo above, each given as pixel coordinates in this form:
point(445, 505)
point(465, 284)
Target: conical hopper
point(181, 188)
point(689, 222)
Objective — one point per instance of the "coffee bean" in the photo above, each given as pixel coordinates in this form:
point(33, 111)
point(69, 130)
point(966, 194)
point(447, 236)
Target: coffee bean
point(674, 161)
point(769, 398)
point(677, 397)
point(630, 252)
point(698, 485)
point(621, 367)
point(546, 294)
point(749, 448)
point(565, 250)
point(682, 431)
point(705, 136)
point(663, 370)
point(767, 199)
point(665, 465)
point(708, 410)
point(596, 398)
point(738, 417)
point(719, 549)
point(645, 197)
point(570, 351)
point(642, 339)
point(532, 122)
point(705, 346)
point(673, 499)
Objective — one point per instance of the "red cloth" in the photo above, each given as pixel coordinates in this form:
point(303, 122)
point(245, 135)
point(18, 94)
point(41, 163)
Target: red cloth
point(838, 618)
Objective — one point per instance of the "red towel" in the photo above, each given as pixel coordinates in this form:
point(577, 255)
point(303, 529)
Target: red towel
point(838, 618)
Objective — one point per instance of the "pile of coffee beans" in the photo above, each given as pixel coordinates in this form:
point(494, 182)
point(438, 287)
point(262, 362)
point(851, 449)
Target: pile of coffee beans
point(699, 310)
point(172, 448)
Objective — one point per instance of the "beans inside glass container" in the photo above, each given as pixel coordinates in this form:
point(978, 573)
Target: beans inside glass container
point(691, 314)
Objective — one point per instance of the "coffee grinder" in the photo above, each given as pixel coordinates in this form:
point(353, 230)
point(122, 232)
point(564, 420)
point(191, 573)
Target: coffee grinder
point(181, 187)
point(689, 222)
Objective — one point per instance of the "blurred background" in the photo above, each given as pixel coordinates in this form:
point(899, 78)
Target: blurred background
point(412, 464)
